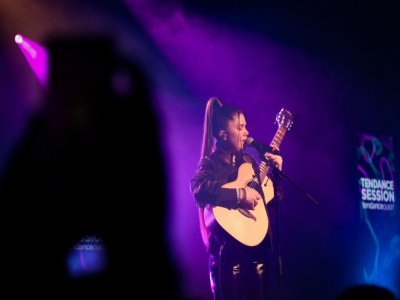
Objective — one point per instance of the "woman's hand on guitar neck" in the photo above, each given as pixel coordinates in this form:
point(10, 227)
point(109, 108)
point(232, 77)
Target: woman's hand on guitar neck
point(276, 160)
point(251, 198)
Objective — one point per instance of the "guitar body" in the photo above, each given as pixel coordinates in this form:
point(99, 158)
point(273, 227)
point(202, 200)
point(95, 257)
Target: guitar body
point(247, 230)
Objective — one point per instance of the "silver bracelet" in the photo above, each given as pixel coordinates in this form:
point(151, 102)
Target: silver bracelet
point(238, 196)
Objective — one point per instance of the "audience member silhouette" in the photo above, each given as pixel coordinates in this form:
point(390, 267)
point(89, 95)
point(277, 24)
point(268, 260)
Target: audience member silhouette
point(366, 292)
point(89, 163)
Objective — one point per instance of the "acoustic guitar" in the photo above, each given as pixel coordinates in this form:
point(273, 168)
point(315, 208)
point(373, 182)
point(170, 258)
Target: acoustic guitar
point(249, 226)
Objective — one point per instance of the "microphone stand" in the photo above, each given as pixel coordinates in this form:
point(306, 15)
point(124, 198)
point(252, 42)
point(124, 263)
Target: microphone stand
point(277, 174)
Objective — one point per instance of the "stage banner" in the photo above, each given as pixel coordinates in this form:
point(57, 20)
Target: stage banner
point(379, 210)
point(375, 163)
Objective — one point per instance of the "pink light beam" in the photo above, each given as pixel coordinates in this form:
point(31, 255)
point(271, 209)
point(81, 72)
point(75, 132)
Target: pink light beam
point(36, 55)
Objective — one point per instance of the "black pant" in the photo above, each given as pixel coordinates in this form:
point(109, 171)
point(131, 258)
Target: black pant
point(238, 272)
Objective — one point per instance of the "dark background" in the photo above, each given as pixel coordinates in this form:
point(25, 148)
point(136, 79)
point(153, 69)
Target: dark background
point(333, 64)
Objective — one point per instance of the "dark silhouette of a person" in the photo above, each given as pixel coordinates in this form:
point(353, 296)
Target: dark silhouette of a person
point(89, 163)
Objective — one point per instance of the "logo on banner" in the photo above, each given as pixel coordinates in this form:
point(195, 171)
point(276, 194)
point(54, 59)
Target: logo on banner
point(376, 167)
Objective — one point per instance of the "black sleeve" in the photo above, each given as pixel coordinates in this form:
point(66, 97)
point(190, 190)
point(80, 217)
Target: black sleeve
point(206, 187)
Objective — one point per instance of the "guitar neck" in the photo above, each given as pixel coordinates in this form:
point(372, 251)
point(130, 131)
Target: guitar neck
point(276, 142)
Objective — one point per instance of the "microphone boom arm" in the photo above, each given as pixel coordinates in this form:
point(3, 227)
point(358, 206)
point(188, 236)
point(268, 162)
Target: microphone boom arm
point(279, 173)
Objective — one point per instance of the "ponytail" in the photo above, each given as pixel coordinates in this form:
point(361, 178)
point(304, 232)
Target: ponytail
point(215, 118)
point(213, 105)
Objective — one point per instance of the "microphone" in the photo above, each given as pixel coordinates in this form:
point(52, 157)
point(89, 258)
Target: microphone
point(260, 147)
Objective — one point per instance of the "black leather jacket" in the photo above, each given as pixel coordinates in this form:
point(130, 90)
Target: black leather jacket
point(213, 172)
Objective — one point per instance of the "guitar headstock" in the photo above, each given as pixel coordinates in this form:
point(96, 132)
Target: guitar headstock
point(284, 119)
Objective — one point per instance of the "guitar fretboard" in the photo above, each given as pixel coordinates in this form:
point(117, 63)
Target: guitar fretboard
point(276, 142)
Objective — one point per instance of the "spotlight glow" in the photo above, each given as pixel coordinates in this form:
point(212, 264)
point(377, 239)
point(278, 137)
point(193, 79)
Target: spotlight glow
point(36, 56)
point(18, 39)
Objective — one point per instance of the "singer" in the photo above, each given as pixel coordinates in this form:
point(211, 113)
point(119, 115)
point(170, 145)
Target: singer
point(237, 266)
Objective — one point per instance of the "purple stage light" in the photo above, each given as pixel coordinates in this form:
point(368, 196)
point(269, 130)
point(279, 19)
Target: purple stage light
point(36, 55)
